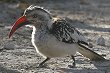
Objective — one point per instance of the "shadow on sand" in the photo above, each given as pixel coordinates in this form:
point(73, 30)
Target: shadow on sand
point(100, 67)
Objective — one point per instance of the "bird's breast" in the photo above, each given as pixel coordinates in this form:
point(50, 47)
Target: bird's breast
point(48, 45)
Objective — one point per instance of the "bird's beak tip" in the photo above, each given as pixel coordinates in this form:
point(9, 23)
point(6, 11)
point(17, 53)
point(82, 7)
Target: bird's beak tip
point(20, 22)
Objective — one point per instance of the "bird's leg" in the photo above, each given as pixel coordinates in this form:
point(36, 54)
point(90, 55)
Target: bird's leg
point(42, 63)
point(73, 60)
point(73, 64)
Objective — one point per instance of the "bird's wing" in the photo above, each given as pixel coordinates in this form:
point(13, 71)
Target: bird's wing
point(68, 34)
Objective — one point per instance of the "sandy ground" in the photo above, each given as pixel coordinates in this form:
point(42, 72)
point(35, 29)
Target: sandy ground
point(17, 55)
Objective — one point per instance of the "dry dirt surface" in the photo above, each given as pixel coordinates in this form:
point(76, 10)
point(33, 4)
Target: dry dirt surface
point(92, 18)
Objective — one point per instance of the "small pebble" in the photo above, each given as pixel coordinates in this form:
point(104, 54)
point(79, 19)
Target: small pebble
point(100, 41)
point(90, 45)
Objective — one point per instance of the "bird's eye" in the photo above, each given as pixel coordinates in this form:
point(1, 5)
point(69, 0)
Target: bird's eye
point(34, 16)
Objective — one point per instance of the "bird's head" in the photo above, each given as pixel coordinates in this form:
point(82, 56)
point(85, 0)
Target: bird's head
point(33, 15)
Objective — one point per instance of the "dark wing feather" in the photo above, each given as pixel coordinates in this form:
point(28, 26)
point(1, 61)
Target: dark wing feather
point(64, 32)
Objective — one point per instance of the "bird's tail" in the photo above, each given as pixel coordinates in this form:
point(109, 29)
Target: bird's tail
point(89, 53)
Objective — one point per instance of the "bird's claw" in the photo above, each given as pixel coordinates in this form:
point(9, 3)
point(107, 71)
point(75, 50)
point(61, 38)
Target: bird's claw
point(42, 66)
point(72, 66)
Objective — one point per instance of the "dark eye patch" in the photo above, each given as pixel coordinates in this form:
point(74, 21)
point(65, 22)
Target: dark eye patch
point(34, 15)
point(38, 16)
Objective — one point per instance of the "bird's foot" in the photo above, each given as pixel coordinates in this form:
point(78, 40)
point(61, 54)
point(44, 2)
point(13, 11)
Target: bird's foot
point(72, 66)
point(42, 66)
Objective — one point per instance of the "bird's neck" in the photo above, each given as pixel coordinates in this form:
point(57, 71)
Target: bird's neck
point(38, 34)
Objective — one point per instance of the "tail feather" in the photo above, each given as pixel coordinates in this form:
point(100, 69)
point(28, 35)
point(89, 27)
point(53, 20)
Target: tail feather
point(90, 54)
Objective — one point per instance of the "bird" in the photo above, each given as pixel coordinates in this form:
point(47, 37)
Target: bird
point(54, 36)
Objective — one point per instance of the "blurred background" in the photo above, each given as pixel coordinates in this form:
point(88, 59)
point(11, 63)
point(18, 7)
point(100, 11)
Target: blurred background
point(96, 10)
